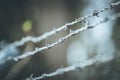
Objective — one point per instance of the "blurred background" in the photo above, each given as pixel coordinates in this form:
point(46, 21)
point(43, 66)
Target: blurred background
point(20, 18)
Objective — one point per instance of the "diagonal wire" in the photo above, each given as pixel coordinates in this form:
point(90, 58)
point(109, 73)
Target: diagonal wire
point(62, 39)
point(96, 60)
point(44, 36)
point(48, 34)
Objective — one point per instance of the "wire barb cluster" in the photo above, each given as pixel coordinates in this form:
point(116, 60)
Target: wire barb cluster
point(95, 60)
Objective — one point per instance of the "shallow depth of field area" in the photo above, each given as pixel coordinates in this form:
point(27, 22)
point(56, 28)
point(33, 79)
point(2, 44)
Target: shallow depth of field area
point(59, 40)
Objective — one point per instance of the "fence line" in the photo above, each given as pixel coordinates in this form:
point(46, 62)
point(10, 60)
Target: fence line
point(94, 13)
point(48, 34)
point(96, 60)
point(61, 40)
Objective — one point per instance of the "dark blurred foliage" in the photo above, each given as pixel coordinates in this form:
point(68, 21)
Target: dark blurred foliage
point(11, 16)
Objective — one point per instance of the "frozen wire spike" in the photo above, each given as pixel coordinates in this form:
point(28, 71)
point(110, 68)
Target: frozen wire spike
point(29, 77)
point(66, 28)
point(48, 46)
point(72, 31)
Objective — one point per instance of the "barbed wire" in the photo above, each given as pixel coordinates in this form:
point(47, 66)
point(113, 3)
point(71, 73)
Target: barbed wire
point(64, 27)
point(79, 65)
point(61, 40)
point(94, 13)
point(66, 69)
point(47, 34)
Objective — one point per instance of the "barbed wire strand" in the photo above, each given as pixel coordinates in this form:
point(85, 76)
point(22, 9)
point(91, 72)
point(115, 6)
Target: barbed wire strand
point(61, 40)
point(23, 40)
point(44, 36)
point(48, 34)
point(79, 65)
